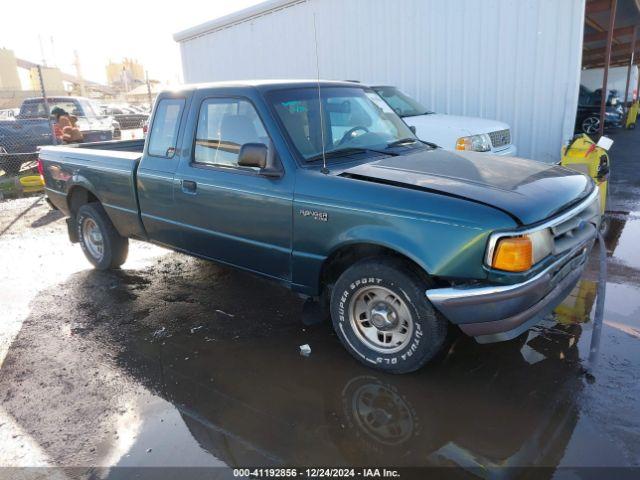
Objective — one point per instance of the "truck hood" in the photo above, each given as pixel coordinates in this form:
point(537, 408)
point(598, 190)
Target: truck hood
point(455, 124)
point(527, 190)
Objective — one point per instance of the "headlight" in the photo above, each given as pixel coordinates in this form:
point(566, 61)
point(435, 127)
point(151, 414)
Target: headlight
point(519, 253)
point(476, 143)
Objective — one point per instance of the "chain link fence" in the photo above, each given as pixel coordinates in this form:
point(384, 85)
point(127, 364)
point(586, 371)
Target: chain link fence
point(23, 130)
point(56, 118)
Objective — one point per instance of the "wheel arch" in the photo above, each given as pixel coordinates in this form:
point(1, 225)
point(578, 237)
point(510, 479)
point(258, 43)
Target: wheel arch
point(346, 254)
point(80, 194)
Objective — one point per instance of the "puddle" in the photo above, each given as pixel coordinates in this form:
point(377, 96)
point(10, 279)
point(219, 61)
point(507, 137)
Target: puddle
point(170, 363)
point(622, 239)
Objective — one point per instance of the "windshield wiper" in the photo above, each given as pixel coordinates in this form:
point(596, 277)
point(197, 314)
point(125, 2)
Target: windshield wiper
point(402, 141)
point(343, 152)
point(430, 144)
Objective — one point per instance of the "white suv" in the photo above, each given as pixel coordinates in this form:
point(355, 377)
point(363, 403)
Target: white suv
point(450, 132)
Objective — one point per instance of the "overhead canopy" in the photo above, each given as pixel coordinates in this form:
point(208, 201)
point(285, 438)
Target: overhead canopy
point(597, 20)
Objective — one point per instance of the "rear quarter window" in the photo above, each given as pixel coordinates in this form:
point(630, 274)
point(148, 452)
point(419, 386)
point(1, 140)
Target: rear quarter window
point(164, 131)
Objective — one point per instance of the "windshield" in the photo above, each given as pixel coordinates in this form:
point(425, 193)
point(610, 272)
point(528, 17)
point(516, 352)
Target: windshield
point(402, 104)
point(35, 108)
point(353, 119)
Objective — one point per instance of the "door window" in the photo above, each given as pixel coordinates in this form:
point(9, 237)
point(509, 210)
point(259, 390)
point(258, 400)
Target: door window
point(224, 125)
point(164, 131)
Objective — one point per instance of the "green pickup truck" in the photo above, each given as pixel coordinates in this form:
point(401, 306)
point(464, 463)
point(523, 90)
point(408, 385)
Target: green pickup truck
point(321, 186)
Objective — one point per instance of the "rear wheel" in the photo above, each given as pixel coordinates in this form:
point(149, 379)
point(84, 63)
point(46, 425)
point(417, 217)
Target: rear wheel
point(103, 246)
point(383, 318)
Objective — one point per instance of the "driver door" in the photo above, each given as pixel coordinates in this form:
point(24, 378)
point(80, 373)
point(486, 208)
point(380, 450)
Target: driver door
point(231, 213)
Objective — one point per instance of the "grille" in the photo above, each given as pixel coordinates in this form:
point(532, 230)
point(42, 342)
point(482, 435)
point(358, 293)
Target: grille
point(500, 138)
point(577, 229)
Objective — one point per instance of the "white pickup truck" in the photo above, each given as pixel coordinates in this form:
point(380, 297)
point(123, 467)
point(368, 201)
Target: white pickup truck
point(450, 132)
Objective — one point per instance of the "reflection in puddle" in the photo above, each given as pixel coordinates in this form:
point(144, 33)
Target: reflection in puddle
point(231, 387)
point(622, 239)
point(577, 307)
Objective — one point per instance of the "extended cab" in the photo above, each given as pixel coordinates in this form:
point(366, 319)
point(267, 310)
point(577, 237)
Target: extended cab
point(337, 199)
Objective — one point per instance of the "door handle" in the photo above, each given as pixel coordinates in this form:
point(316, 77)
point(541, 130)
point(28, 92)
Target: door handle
point(189, 186)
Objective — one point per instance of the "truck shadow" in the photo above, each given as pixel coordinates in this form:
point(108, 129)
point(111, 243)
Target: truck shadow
point(49, 217)
point(222, 348)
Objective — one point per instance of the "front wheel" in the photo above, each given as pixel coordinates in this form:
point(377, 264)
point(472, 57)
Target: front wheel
point(383, 318)
point(101, 243)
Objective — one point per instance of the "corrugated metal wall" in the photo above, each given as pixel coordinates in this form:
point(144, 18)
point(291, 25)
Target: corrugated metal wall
point(512, 60)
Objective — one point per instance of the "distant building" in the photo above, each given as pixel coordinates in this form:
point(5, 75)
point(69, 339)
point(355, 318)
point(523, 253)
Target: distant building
point(9, 79)
point(126, 75)
point(146, 95)
point(52, 78)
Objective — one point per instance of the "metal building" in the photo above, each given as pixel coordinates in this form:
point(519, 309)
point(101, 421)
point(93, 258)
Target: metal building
point(516, 61)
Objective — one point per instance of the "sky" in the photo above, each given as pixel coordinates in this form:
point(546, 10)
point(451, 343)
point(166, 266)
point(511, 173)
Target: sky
point(107, 30)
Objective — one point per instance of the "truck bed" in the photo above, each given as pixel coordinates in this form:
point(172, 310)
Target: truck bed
point(106, 168)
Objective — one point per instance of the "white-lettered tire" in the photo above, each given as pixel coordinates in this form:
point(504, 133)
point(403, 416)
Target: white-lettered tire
point(101, 243)
point(381, 314)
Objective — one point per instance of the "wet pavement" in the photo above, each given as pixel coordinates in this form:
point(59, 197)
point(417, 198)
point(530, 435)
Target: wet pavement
point(175, 362)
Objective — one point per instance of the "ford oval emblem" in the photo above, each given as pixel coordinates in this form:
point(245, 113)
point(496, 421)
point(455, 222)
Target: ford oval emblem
point(581, 224)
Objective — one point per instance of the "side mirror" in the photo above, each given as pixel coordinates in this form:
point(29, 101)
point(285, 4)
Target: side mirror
point(258, 155)
point(413, 129)
point(253, 155)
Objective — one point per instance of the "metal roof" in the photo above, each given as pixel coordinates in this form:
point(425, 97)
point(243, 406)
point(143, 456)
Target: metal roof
point(240, 16)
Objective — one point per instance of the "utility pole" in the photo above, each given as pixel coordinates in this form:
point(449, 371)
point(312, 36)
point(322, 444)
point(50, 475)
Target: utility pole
point(125, 78)
point(43, 91)
point(44, 58)
point(79, 73)
point(146, 74)
point(53, 51)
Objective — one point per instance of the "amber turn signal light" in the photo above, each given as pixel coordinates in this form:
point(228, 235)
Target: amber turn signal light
point(513, 254)
point(462, 144)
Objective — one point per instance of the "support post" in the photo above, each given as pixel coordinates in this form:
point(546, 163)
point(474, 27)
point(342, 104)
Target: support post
point(631, 58)
point(607, 59)
point(638, 86)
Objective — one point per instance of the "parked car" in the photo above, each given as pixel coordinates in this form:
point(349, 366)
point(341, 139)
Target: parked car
point(21, 137)
point(588, 116)
point(400, 239)
point(127, 118)
point(451, 132)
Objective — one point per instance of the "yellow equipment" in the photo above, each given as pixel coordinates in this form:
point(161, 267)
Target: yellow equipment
point(583, 155)
point(632, 115)
point(32, 183)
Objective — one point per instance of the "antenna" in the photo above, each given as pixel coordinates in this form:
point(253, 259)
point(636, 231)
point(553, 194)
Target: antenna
point(324, 170)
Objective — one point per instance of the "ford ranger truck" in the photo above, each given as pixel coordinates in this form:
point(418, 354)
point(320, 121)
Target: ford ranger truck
point(323, 188)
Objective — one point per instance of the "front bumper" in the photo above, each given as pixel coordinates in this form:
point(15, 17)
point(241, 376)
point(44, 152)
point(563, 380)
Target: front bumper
point(502, 312)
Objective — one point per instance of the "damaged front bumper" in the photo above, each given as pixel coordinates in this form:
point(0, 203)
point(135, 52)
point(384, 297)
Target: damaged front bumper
point(501, 312)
